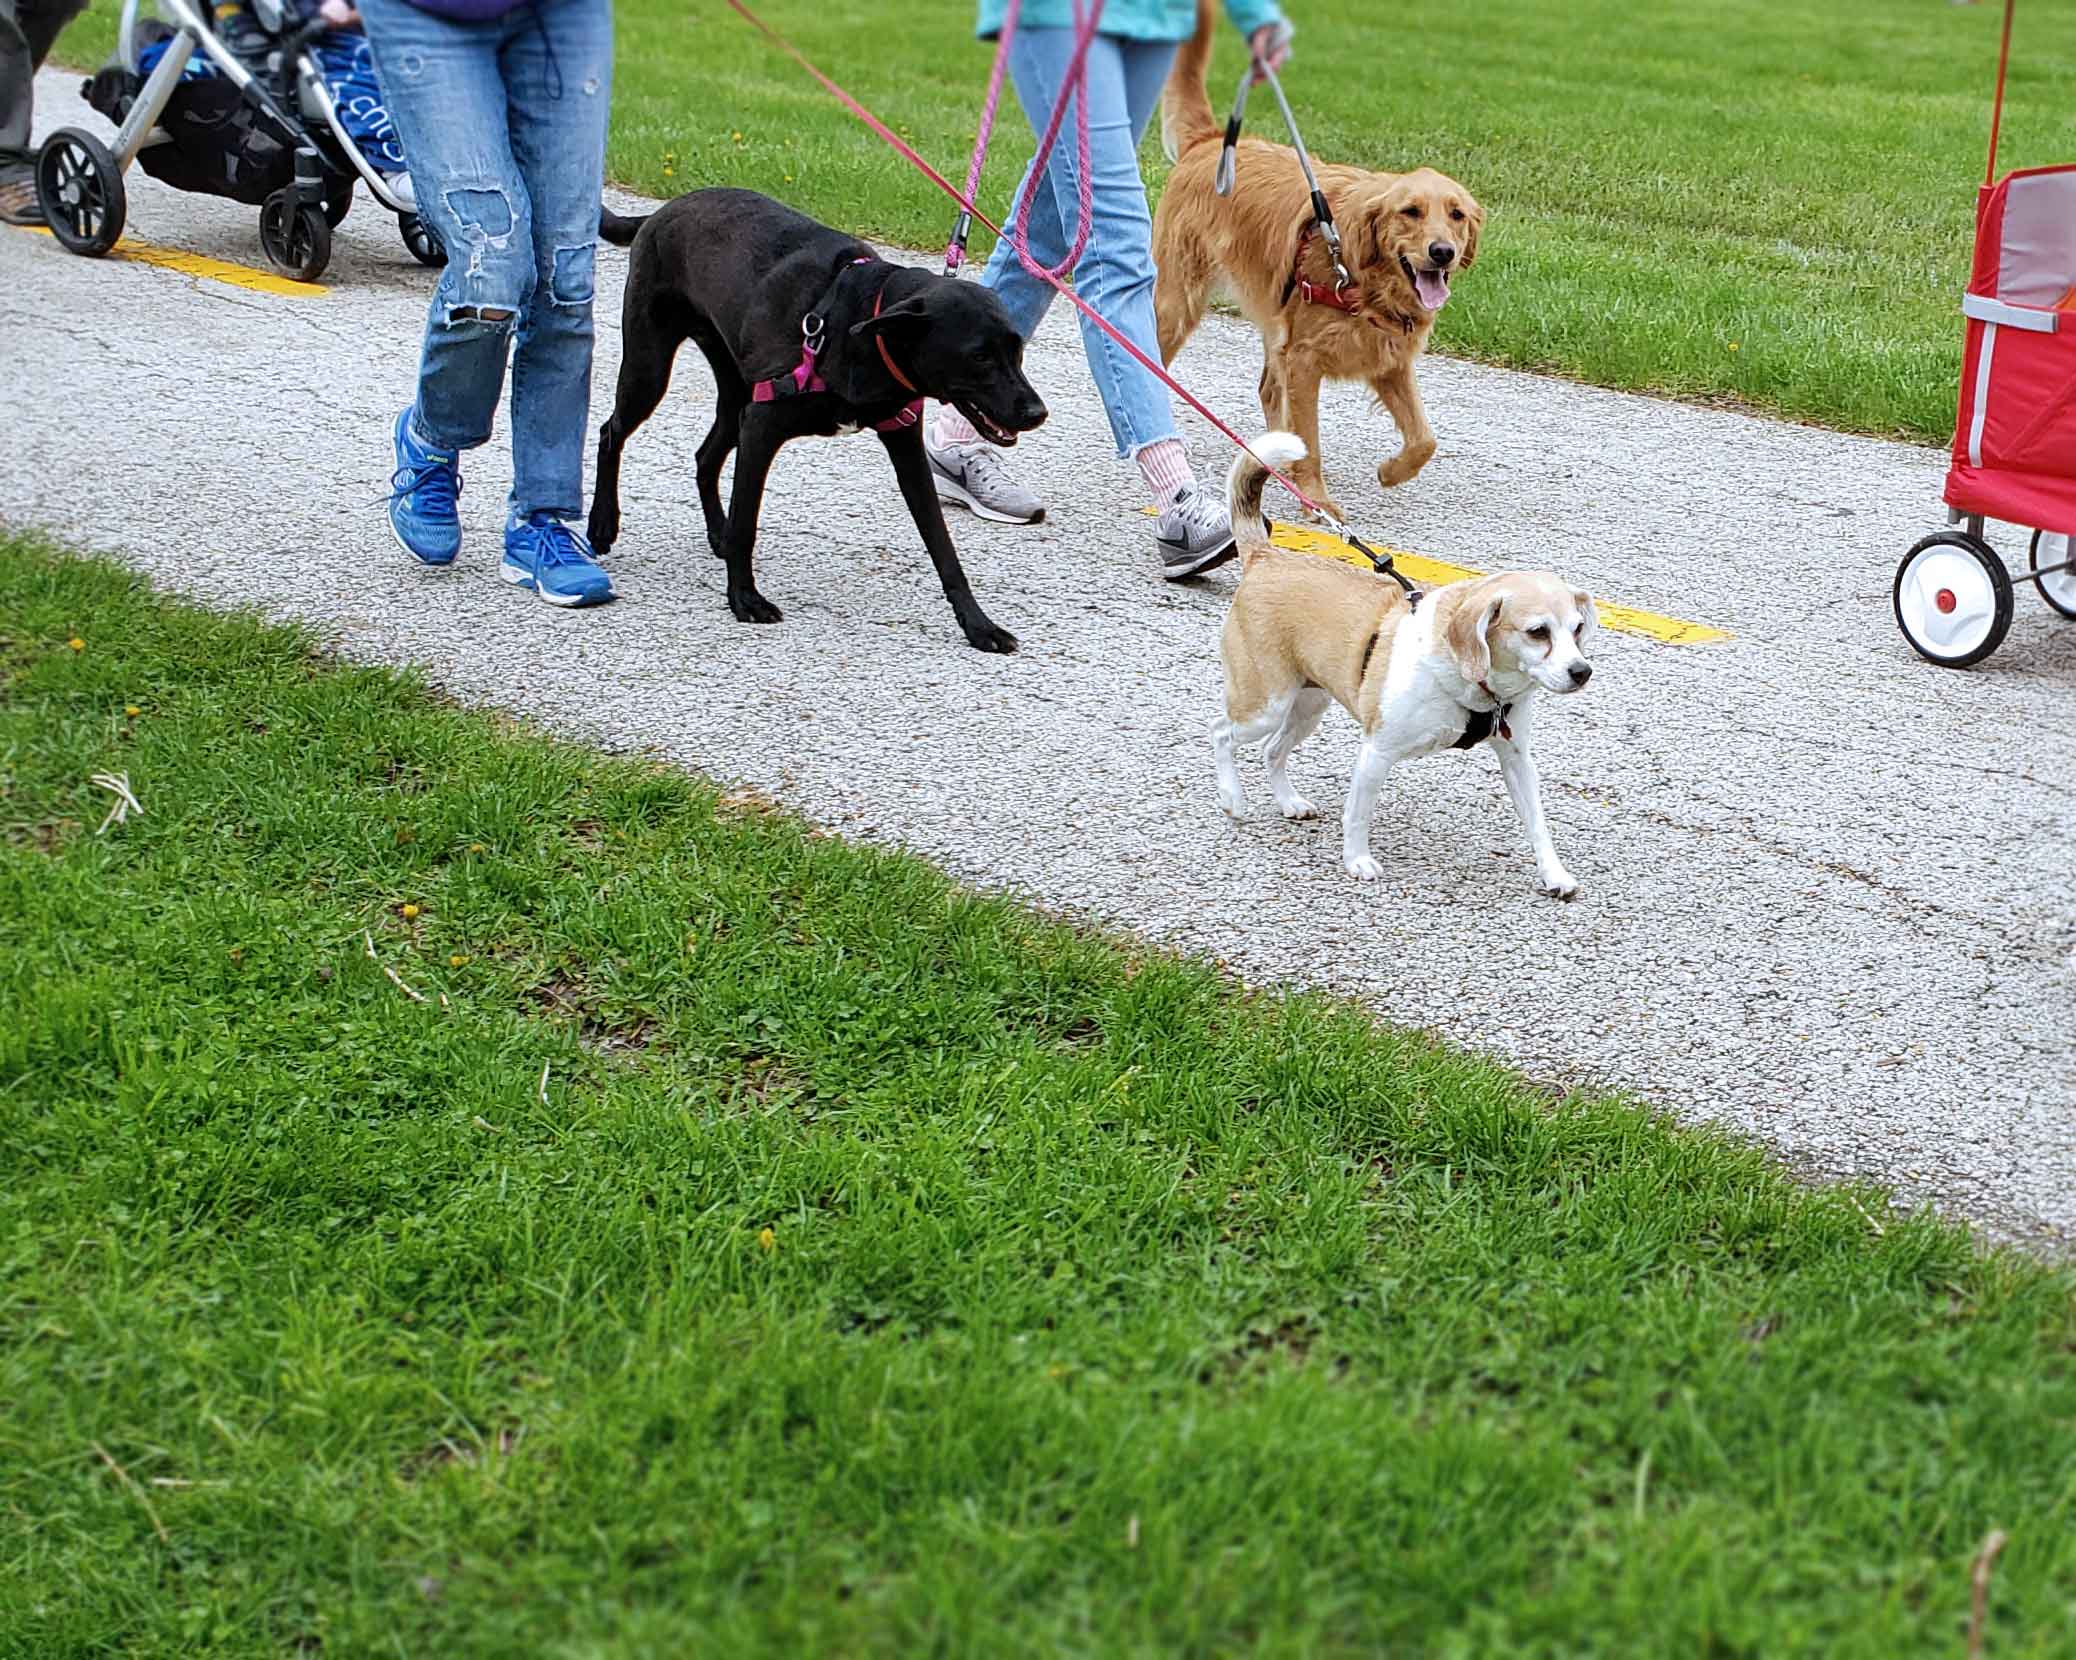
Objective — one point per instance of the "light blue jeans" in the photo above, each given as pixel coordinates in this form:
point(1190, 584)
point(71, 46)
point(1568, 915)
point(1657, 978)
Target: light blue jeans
point(1116, 271)
point(503, 123)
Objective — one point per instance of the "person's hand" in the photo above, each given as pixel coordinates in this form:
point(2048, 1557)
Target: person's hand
point(339, 14)
point(1270, 44)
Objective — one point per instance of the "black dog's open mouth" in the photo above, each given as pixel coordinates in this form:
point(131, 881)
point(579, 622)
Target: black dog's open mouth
point(1432, 287)
point(987, 428)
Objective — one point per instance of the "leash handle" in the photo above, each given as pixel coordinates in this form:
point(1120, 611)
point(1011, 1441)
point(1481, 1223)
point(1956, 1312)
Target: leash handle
point(1278, 39)
point(1074, 85)
point(1222, 184)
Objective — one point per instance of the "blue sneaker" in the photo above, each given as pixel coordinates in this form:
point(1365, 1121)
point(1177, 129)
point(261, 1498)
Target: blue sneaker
point(544, 554)
point(422, 494)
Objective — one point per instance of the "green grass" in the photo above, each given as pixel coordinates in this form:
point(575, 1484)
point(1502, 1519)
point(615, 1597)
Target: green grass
point(1714, 198)
point(1106, 1308)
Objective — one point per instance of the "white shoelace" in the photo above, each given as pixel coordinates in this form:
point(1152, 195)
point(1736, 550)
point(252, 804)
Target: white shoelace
point(984, 470)
point(1200, 512)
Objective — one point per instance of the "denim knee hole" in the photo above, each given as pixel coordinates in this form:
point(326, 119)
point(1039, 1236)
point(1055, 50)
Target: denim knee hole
point(571, 283)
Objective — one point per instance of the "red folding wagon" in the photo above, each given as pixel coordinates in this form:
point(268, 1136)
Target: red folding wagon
point(2014, 442)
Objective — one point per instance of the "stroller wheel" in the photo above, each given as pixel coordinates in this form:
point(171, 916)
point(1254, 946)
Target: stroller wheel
point(2054, 548)
point(423, 241)
point(295, 236)
point(81, 188)
point(1953, 599)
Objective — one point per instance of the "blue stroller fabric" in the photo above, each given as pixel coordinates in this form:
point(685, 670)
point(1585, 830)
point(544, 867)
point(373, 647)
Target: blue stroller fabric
point(348, 71)
point(348, 68)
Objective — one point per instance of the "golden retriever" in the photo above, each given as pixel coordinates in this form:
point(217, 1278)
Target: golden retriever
point(1403, 235)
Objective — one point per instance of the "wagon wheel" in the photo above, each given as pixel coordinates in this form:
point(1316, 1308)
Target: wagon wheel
point(2051, 547)
point(1953, 599)
point(80, 184)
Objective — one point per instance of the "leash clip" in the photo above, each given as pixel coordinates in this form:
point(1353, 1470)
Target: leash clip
point(1330, 234)
point(1382, 563)
point(811, 329)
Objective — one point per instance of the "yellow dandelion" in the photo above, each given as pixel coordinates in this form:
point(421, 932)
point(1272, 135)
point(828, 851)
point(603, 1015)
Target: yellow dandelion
point(132, 710)
point(766, 1238)
point(457, 961)
point(410, 913)
point(1733, 345)
point(76, 643)
point(475, 847)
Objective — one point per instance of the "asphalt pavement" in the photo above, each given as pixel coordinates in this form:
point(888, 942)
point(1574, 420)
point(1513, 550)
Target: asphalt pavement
point(1827, 888)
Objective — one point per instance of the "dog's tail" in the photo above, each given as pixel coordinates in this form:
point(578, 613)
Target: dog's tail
point(1186, 117)
point(617, 228)
point(1245, 481)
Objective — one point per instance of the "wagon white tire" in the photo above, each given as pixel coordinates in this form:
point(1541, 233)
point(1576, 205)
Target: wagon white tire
point(1953, 599)
point(2051, 547)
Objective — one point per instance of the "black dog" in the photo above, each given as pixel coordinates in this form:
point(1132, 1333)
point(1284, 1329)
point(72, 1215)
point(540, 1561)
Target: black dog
point(808, 332)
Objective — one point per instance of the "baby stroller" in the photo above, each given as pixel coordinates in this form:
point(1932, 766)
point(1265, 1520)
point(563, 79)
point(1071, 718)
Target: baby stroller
point(263, 129)
point(2014, 442)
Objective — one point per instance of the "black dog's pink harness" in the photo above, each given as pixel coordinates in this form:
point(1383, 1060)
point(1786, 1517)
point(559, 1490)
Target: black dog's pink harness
point(805, 377)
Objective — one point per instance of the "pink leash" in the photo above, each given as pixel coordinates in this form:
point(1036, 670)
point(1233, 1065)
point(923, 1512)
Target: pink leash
point(965, 201)
point(1074, 85)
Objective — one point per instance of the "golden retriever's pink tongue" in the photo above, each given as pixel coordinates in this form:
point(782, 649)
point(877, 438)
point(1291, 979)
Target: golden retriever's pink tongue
point(1432, 287)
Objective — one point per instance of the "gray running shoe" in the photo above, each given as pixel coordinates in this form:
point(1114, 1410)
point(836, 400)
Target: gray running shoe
point(972, 476)
point(1195, 533)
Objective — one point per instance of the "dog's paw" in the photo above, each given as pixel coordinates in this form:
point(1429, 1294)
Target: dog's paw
point(1235, 805)
point(1561, 886)
point(985, 636)
point(752, 607)
point(1365, 869)
point(1298, 807)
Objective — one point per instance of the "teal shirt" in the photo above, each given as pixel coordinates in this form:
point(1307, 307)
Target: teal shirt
point(1129, 19)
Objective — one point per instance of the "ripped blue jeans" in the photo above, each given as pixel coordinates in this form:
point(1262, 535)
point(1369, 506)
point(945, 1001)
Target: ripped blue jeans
point(503, 123)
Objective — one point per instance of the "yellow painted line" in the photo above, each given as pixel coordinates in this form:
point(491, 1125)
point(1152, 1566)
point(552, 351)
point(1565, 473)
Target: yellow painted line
point(1624, 619)
point(201, 265)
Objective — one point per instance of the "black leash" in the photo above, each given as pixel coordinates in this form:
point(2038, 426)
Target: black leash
point(1382, 564)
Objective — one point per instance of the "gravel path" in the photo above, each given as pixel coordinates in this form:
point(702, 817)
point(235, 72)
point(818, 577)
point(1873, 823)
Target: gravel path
point(1827, 895)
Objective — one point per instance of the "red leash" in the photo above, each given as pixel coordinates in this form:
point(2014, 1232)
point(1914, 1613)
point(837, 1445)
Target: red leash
point(908, 153)
point(1997, 114)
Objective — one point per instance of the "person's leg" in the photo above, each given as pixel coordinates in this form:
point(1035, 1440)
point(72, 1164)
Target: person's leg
point(969, 471)
point(28, 29)
point(558, 69)
point(446, 97)
point(1116, 277)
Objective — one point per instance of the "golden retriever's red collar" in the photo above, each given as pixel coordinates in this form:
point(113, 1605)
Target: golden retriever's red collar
point(1340, 297)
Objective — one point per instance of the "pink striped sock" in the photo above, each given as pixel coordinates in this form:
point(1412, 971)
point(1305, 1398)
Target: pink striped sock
point(1165, 467)
point(951, 428)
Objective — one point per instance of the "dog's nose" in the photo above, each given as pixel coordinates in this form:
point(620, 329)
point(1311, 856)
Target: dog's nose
point(1441, 253)
point(1581, 673)
point(1032, 414)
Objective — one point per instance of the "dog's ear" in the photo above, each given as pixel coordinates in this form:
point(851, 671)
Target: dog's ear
point(1592, 611)
point(914, 309)
point(1468, 634)
point(1373, 232)
point(1474, 220)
